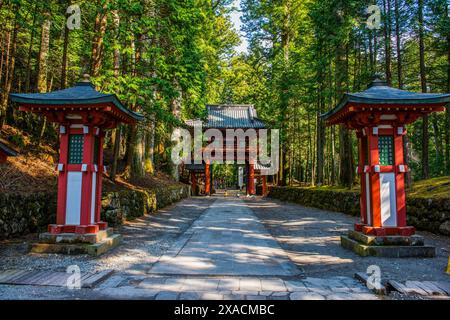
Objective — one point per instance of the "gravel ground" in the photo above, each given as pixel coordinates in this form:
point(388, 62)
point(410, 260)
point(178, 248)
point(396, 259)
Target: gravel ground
point(139, 249)
point(311, 237)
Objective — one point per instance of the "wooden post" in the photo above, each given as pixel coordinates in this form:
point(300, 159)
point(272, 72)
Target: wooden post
point(98, 189)
point(400, 176)
point(62, 176)
point(207, 179)
point(86, 188)
point(362, 139)
point(374, 179)
point(264, 186)
point(251, 179)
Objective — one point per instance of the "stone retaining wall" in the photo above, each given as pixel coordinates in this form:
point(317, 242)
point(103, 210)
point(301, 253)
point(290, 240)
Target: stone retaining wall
point(22, 214)
point(425, 214)
point(130, 204)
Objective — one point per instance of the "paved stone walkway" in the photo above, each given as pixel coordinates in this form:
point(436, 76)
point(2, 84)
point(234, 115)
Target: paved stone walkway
point(233, 288)
point(227, 253)
point(226, 240)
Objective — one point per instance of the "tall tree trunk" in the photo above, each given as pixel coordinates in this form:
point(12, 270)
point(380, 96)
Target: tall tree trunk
point(345, 142)
point(116, 132)
point(371, 54)
point(149, 147)
point(398, 45)
point(447, 110)
point(131, 147)
point(97, 43)
point(2, 40)
point(43, 55)
point(43, 64)
point(284, 98)
point(10, 69)
point(423, 84)
point(7, 60)
point(387, 40)
point(375, 51)
point(320, 132)
point(135, 158)
point(439, 148)
point(116, 152)
point(64, 55)
point(30, 52)
point(176, 111)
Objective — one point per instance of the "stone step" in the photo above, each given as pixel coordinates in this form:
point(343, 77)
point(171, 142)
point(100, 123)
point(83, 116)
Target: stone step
point(94, 249)
point(386, 240)
point(106, 244)
point(388, 251)
point(75, 238)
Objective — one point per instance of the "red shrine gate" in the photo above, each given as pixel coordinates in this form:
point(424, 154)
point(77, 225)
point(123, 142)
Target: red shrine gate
point(223, 118)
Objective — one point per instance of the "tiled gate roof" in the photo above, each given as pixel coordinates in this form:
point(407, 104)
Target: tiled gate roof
point(231, 117)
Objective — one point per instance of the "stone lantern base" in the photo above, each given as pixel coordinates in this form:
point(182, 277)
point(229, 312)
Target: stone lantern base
point(387, 246)
point(75, 243)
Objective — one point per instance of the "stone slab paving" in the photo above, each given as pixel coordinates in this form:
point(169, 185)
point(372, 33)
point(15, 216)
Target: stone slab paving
point(228, 254)
point(237, 288)
point(227, 239)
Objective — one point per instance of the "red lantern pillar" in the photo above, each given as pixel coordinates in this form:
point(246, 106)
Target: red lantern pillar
point(382, 170)
point(264, 185)
point(80, 180)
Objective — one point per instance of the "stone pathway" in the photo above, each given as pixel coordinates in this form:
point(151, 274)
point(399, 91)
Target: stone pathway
point(226, 240)
point(228, 254)
point(233, 288)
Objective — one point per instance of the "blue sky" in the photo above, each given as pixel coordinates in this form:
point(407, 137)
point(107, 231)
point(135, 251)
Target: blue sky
point(235, 18)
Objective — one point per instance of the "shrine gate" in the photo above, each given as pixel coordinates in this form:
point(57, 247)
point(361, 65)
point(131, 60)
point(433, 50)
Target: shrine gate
point(223, 118)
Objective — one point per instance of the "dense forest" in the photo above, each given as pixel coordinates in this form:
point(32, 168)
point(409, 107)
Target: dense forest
point(168, 58)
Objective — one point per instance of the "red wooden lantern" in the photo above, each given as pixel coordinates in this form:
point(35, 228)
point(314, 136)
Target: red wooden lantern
point(83, 115)
point(379, 116)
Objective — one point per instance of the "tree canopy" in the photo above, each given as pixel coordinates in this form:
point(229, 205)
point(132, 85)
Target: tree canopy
point(168, 58)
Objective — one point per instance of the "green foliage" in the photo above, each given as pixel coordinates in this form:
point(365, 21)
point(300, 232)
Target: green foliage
point(176, 56)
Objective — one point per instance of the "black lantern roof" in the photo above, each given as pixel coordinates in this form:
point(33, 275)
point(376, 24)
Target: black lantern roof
point(231, 116)
point(380, 94)
point(82, 94)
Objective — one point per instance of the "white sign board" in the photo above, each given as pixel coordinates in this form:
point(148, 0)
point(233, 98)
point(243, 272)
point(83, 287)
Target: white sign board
point(241, 177)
